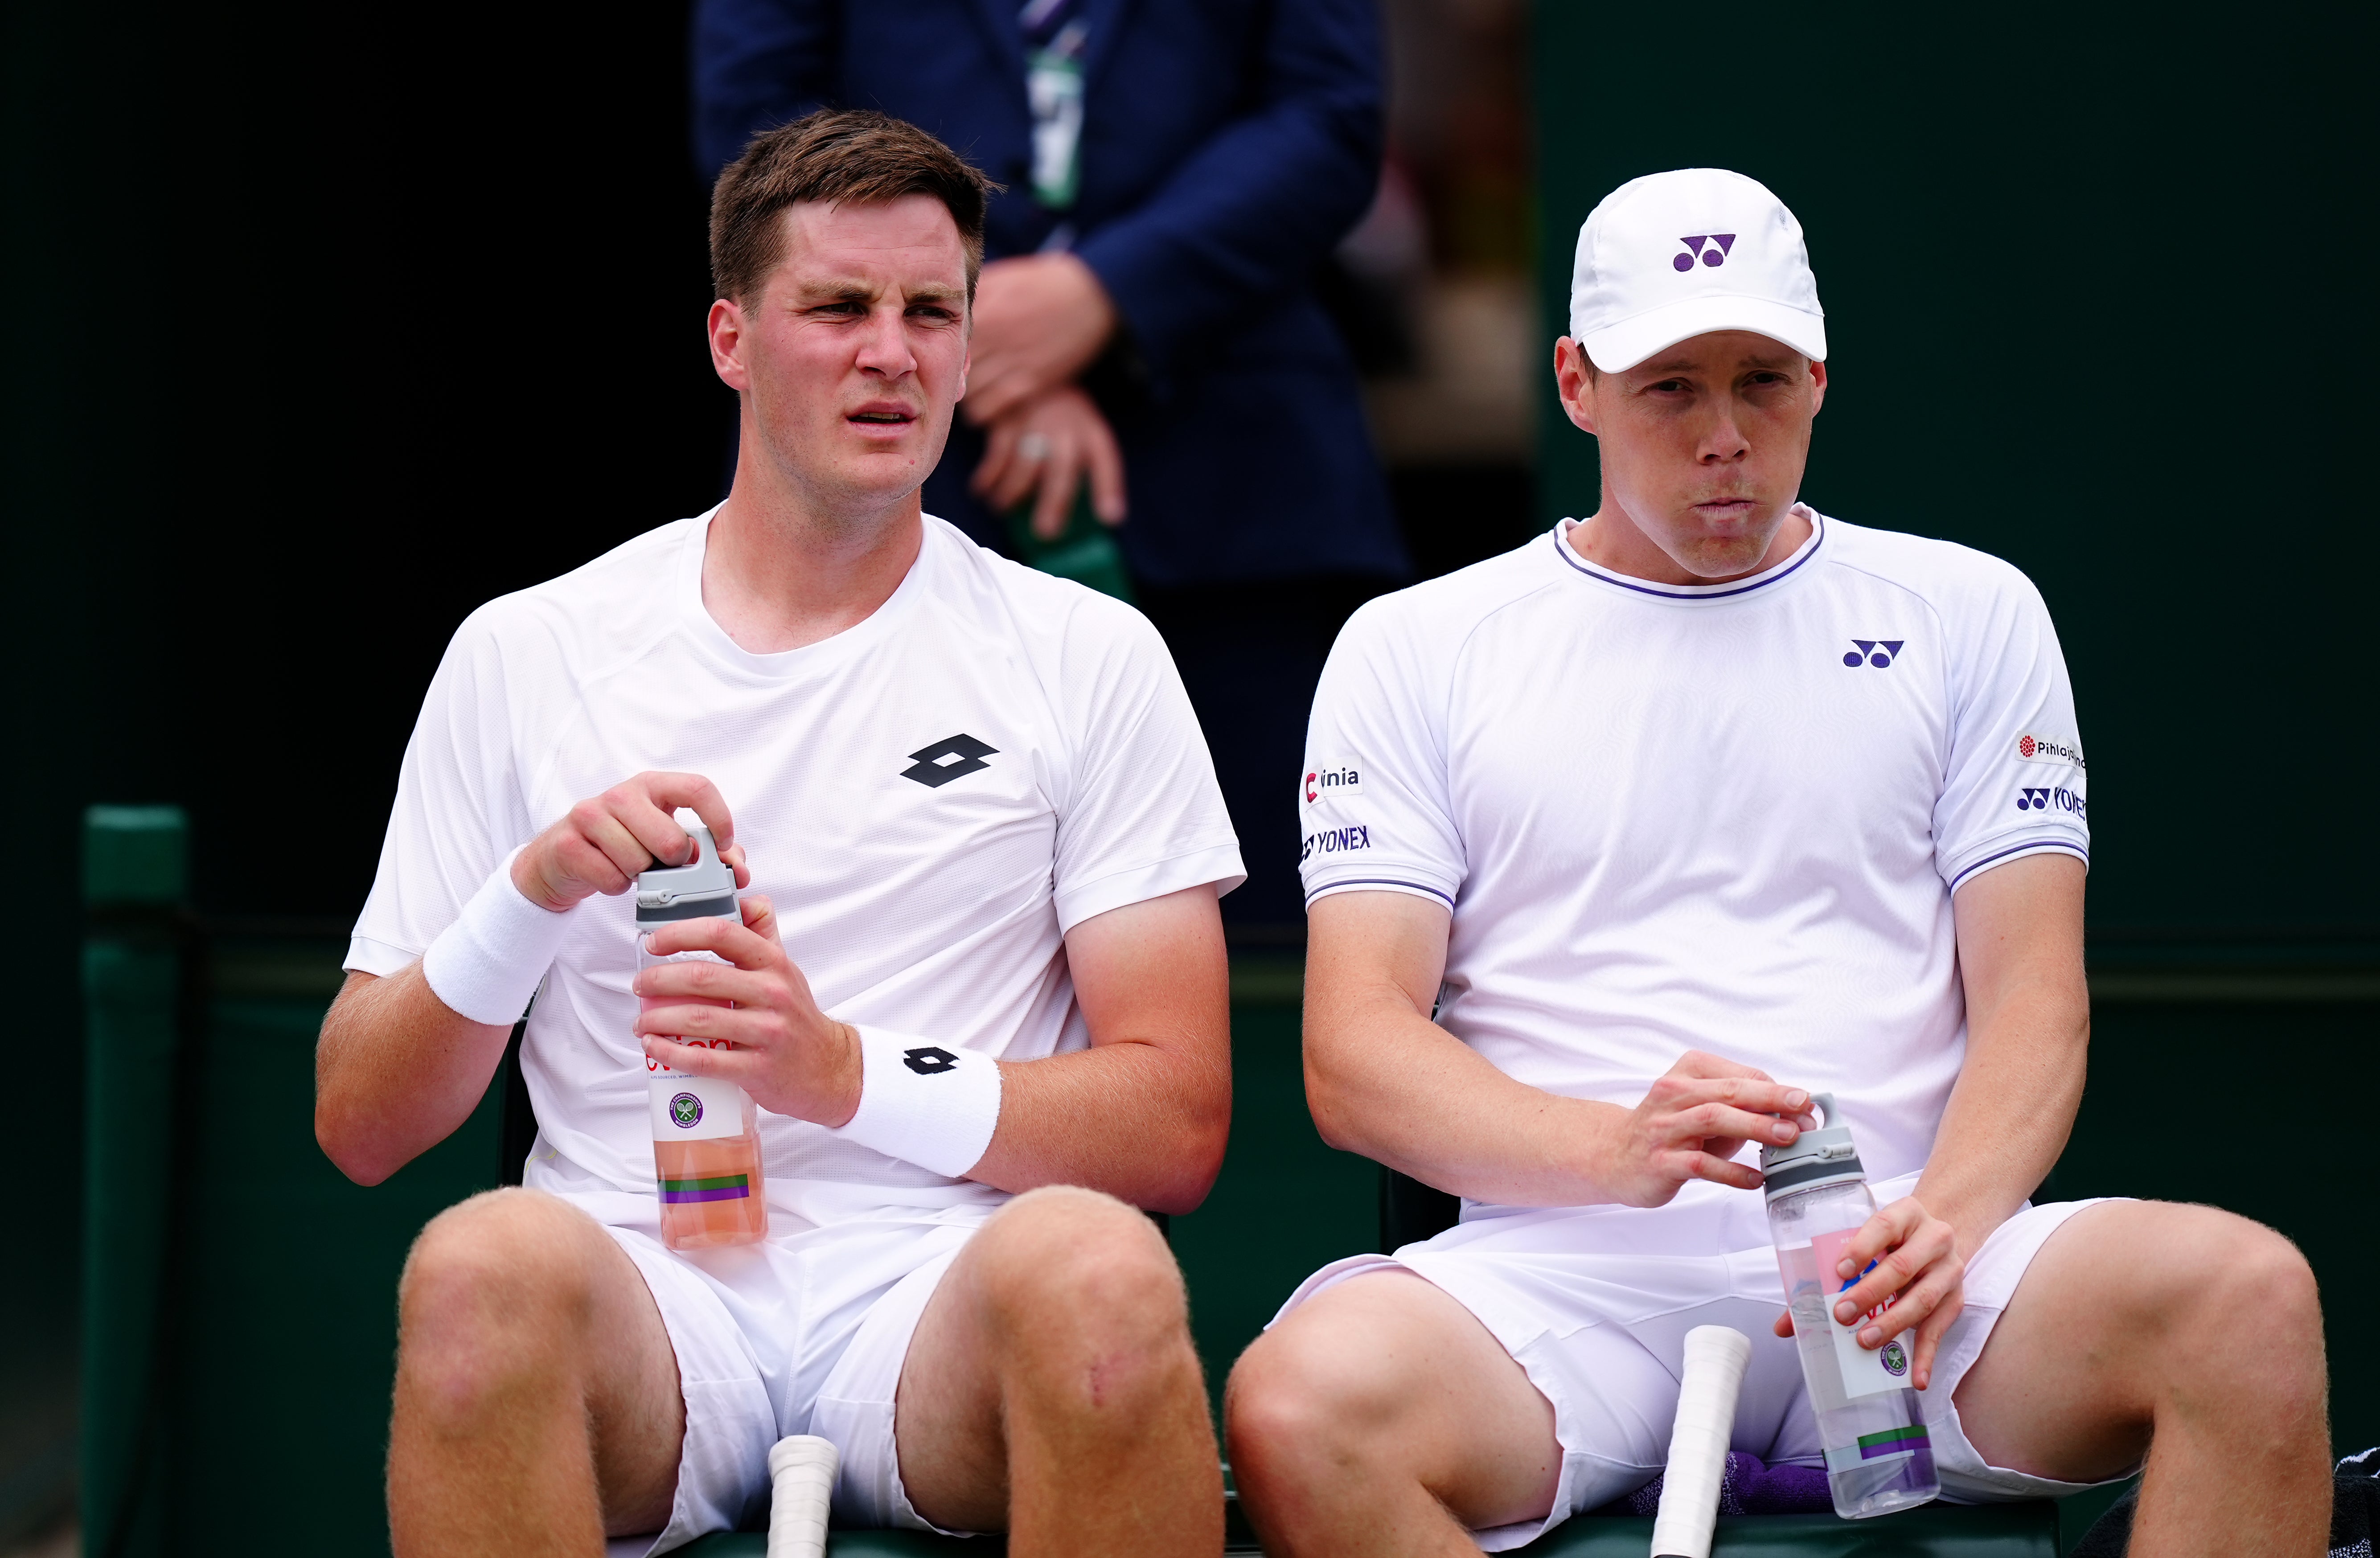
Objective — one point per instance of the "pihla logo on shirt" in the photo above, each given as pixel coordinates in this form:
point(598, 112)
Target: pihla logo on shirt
point(1329, 783)
point(2043, 749)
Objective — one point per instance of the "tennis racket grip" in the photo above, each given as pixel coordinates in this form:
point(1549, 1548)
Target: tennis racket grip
point(801, 1473)
point(1698, 1443)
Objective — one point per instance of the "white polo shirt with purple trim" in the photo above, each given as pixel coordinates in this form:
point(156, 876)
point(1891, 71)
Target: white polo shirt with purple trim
point(1723, 817)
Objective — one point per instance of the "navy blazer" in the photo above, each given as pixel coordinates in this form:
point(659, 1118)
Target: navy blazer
point(1227, 145)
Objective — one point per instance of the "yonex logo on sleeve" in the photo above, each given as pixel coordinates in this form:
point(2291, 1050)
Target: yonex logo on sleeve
point(2045, 798)
point(2043, 749)
point(931, 1060)
point(947, 760)
point(1879, 652)
point(1721, 246)
point(1333, 842)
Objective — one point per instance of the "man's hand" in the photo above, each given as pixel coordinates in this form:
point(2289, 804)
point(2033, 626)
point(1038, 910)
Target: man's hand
point(1053, 441)
point(790, 1056)
point(1911, 1258)
point(601, 844)
point(1697, 1116)
point(1039, 320)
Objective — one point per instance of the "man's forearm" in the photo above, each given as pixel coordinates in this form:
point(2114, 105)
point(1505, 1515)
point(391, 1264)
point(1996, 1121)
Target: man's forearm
point(1144, 1124)
point(395, 1072)
point(1427, 1105)
point(2028, 1042)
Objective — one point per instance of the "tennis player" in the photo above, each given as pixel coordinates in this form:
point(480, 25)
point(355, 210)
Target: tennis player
point(981, 827)
point(1670, 818)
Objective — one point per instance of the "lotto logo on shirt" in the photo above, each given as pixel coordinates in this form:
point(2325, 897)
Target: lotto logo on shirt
point(1329, 782)
point(2046, 799)
point(1333, 842)
point(2044, 748)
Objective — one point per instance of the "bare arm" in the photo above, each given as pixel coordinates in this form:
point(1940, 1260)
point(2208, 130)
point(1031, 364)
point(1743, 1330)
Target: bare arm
point(1385, 1081)
point(1142, 1115)
point(2028, 1037)
point(2028, 1032)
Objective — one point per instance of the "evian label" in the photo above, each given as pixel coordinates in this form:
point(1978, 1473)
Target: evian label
point(1331, 781)
point(692, 1108)
point(1865, 1372)
point(2047, 749)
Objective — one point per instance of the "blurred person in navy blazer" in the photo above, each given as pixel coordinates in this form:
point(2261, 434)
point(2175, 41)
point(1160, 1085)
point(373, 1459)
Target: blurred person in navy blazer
point(1177, 172)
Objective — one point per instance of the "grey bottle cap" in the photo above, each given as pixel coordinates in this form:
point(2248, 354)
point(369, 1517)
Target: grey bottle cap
point(704, 885)
point(1824, 1156)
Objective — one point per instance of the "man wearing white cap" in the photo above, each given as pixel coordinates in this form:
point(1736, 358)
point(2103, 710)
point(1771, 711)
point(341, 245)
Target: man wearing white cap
point(1624, 845)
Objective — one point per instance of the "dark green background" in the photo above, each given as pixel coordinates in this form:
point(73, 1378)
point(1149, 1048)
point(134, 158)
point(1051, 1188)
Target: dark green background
point(2098, 293)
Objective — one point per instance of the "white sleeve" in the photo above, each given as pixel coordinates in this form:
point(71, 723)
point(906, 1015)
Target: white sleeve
point(2015, 781)
point(1373, 796)
point(459, 808)
point(1143, 816)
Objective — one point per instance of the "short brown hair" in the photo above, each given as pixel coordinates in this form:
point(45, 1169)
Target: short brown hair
point(835, 154)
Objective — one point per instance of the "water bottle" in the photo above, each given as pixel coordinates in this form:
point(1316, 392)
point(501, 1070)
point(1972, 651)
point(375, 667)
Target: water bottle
point(706, 1130)
point(1870, 1420)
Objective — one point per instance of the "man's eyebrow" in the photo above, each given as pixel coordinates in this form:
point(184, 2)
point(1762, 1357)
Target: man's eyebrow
point(838, 289)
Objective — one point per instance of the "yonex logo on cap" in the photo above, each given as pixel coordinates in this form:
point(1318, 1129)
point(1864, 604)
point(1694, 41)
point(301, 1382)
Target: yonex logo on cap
point(1879, 652)
point(1721, 246)
point(946, 759)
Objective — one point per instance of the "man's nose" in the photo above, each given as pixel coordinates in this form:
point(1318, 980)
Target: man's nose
point(884, 344)
point(1723, 443)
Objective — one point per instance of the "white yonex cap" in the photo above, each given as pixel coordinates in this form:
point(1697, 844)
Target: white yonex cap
point(1678, 254)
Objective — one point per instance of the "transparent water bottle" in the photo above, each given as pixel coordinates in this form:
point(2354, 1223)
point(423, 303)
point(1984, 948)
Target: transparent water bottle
point(1871, 1421)
point(706, 1130)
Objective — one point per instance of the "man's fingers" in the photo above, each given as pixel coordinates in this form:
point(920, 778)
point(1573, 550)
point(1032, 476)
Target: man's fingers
point(1060, 475)
point(1930, 1335)
point(1708, 1120)
point(620, 849)
point(698, 795)
point(701, 1060)
point(747, 1027)
point(728, 938)
point(734, 855)
point(1699, 1062)
point(760, 917)
point(999, 455)
point(1783, 1324)
point(1105, 461)
point(655, 830)
point(1893, 1225)
point(1719, 1171)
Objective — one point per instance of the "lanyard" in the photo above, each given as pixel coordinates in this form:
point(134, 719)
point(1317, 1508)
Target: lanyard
point(1053, 88)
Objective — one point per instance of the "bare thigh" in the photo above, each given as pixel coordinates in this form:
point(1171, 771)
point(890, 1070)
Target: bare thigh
point(2053, 1391)
point(515, 1307)
point(1386, 1375)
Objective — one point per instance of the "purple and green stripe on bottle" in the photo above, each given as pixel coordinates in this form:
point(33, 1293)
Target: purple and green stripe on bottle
point(711, 1187)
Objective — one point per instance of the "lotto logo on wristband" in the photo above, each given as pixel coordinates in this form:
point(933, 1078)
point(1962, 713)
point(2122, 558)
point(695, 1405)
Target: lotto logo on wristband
point(932, 1060)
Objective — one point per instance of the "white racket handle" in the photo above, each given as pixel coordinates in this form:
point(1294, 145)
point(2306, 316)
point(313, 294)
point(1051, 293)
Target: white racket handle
point(1698, 1444)
point(801, 1473)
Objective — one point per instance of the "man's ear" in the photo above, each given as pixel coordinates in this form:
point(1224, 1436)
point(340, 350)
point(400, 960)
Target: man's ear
point(726, 328)
point(1818, 385)
point(1573, 383)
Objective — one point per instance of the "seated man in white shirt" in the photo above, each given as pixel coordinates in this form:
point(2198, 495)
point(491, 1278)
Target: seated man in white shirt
point(1671, 819)
point(981, 824)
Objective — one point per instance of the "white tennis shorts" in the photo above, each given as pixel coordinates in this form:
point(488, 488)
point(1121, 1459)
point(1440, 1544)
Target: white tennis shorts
point(803, 1333)
point(1595, 1303)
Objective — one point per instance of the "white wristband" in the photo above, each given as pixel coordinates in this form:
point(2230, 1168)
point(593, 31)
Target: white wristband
point(926, 1103)
point(488, 963)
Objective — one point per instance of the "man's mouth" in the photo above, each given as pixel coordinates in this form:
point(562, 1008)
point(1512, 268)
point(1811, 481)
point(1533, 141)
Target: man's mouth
point(883, 415)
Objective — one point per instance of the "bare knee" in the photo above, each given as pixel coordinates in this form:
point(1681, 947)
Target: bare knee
point(495, 1289)
point(1302, 1404)
point(1086, 1285)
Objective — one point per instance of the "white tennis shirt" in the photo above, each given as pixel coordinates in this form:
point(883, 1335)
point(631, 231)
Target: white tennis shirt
point(932, 798)
point(1720, 817)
